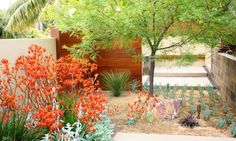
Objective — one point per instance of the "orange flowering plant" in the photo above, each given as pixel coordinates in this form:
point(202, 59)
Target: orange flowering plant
point(145, 108)
point(38, 85)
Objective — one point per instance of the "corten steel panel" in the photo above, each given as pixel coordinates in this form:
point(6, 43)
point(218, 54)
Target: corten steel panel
point(109, 59)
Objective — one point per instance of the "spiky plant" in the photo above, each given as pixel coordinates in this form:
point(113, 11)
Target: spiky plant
point(191, 96)
point(233, 129)
point(202, 103)
point(200, 89)
point(183, 103)
point(228, 118)
point(220, 123)
point(116, 81)
point(214, 111)
point(225, 108)
point(193, 109)
point(189, 121)
point(206, 114)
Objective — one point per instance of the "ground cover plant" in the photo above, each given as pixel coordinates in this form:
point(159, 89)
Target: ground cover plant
point(143, 114)
point(58, 98)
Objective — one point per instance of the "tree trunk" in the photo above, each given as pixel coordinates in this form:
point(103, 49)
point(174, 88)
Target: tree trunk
point(151, 72)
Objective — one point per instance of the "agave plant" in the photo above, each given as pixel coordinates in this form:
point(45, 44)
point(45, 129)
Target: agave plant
point(116, 81)
point(228, 118)
point(233, 129)
point(189, 121)
point(220, 123)
point(206, 114)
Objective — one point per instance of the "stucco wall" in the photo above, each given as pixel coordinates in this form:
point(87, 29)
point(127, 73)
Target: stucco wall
point(224, 75)
point(13, 48)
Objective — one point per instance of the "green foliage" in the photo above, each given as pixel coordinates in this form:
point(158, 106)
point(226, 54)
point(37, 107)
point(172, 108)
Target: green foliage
point(206, 114)
point(193, 109)
point(233, 129)
point(173, 92)
point(150, 117)
point(186, 59)
point(104, 131)
point(200, 89)
point(225, 108)
point(24, 13)
point(202, 103)
point(131, 121)
point(67, 107)
point(220, 123)
point(214, 111)
point(183, 103)
point(16, 129)
point(191, 96)
point(116, 81)
point(134, 86)
point(228, 118)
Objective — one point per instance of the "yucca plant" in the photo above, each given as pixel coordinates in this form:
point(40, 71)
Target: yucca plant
point(117, 81)
point(206, 114)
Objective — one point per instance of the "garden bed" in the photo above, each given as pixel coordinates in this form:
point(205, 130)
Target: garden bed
point(206, 128)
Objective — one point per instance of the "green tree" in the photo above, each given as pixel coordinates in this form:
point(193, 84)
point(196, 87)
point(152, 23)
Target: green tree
point(102, 21)
point(24, 13)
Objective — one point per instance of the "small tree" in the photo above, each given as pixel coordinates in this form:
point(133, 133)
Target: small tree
point(101, 22)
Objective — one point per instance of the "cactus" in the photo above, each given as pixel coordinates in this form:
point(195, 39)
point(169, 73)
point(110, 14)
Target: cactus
point(220, 123)
point(206, 114)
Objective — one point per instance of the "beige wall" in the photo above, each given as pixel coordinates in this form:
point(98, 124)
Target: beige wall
point(13, 48)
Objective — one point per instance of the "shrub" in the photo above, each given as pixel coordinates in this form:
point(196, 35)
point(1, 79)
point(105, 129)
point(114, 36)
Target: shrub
point(116, 81)
point(186, 59)
point(38, 79)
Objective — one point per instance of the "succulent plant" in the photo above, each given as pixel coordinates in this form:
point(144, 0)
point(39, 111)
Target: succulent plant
point(184, 88)
point(214, 111)
point(220, 123)
point(131, 121)
point(193, 109)
point(206, 114)
point(183, 103)
point(225, 108)
point(202, 103)
point(191, 96)
point(189, 121)
point(228, 118)
point(200, 90)
point(233, 129)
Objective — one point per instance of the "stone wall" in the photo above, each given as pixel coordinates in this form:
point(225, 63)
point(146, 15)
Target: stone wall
point(223, 70)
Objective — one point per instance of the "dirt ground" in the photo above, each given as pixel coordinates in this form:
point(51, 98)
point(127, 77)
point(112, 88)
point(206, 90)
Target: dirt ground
point(206, 128)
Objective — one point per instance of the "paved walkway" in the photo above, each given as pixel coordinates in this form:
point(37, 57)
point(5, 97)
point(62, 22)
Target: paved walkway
point(191, 76)
point(156, 137)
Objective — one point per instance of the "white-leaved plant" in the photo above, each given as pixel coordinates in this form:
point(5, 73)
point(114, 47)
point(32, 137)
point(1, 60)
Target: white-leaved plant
point(66, 133)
